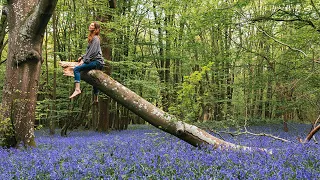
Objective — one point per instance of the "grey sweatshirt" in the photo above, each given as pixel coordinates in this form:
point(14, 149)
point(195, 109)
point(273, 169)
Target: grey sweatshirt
point(93, 51)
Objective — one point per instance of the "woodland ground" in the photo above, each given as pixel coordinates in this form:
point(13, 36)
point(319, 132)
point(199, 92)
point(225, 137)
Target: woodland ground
point(144, 152)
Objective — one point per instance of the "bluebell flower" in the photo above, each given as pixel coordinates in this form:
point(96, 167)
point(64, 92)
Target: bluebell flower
point(148, 153)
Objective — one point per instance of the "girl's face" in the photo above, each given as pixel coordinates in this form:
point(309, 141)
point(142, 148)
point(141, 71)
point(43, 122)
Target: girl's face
point(91, 27)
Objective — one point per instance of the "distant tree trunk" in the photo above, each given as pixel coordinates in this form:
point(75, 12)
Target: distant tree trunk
point(117, 116)
point(284, 96)
point(177, 75)
point(162, 61)
point(268, 107)
point(54, 90)
point(103, 124)
point(229, 72)
point(94, 115)
point(167, 95)
point(217, 74)
point(27, 21)
point(125, 117)
point(104, 102)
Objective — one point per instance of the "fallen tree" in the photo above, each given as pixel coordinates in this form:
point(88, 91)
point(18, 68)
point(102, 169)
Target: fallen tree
point(152, 114)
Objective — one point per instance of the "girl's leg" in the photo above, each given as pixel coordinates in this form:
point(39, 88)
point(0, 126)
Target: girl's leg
point(77, 90)
point(77, 70)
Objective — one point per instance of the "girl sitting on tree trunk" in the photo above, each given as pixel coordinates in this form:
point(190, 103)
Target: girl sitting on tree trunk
point(91, 60)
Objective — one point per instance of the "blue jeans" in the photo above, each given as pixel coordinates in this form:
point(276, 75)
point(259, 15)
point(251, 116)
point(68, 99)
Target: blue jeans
point(86, 67)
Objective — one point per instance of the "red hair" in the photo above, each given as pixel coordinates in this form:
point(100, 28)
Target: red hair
point(95, 32)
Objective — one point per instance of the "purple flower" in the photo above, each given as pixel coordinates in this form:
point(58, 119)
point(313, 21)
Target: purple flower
point(148, 153)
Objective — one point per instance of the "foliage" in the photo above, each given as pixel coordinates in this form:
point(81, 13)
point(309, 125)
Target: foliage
point(190, 97)
point(159, 50)
point(7, 138)
point(148, 153)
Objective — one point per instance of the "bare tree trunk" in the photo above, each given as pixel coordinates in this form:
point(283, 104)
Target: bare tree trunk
point(103, 124)
point(54, 88)
point(103, 119)
point(94, 115)
point(27, 21)
point(3, 26)
point(155, 116)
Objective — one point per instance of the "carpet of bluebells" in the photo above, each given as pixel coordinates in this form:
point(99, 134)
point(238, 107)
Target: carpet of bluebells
point(145, 152)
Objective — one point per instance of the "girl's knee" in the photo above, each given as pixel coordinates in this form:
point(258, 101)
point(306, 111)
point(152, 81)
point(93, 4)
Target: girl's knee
point(76, 69)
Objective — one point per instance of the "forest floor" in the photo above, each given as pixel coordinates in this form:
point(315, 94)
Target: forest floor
point(144, 152)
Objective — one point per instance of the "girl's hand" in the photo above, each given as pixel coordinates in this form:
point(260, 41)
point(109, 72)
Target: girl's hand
point(79, 59)
point(80, 62)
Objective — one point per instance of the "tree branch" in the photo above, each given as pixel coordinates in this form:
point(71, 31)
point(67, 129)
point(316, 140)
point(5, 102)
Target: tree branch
point(315, 8)
point(294, 49)
point(313, 131)
point(36, 23)
point(264, 32)
point(254, 134)
point(297, 18)
point(3, 61)
point(251, 51)
point(3, 46)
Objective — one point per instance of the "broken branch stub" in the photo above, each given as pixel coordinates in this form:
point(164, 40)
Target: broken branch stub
point(68, 67)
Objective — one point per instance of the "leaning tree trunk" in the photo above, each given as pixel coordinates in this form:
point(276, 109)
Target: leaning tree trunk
point(155, 116)
point(27, 21)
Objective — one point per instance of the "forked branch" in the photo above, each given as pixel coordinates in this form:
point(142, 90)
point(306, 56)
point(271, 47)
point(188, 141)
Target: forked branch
point(254, 134)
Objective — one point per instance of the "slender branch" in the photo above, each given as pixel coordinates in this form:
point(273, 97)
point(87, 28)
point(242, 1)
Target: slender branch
point(315, 123)
point(264, 32)
point(214, 131)
point(282, 43)
point(294, 83)
point(316, 60)
point(315, 8)
point(308, 22)
point(251, 51)
point(3, 61)
point(298, 18)
point(254, 134)
point(3, 46)
point(311, 134)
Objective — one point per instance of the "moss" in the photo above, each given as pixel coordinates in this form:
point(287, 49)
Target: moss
point(7, 138)
point(32, 143)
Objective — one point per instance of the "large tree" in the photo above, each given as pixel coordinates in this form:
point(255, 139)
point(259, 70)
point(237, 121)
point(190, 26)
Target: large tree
point(27, 21)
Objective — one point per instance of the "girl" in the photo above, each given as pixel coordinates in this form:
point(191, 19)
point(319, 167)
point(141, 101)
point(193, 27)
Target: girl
point(91, 60)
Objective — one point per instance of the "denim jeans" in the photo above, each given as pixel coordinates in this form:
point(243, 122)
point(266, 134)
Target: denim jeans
point(86, 67)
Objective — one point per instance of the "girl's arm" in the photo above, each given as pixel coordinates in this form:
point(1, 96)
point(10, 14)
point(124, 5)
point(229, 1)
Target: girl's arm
point(92, 50)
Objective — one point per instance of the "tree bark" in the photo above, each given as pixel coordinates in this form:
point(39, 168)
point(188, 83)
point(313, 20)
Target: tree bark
point(27, 21)
point(155, 116)
point(103, 124)
point(54, 88)
point(104, 102)
point(3, 26)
